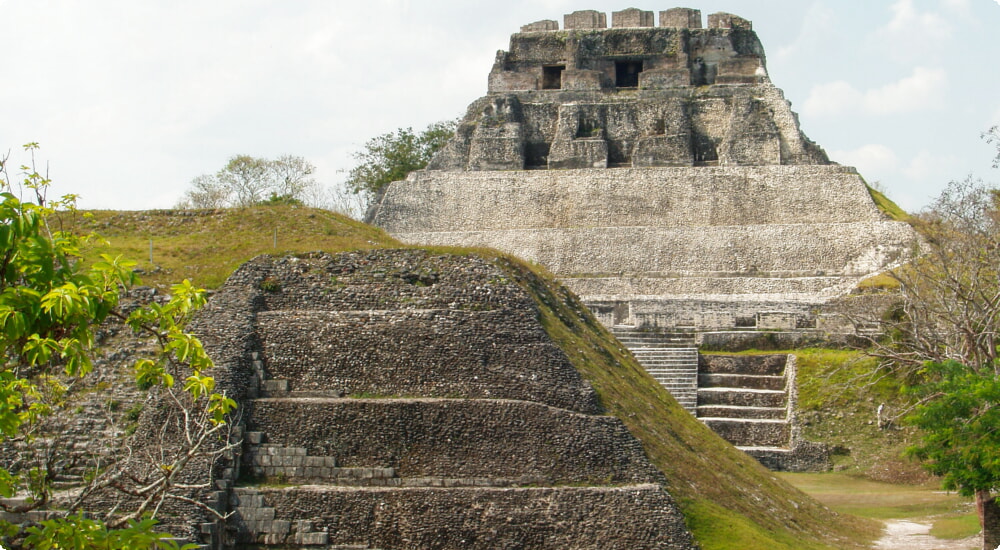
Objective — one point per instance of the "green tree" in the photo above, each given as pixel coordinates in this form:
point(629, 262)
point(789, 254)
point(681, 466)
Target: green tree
point(51, 306)
point(390, 157)
point(251, 181)
point(943, 333)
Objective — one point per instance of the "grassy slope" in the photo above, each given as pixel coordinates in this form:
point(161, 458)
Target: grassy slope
point(207, 245)
point(885, 204)
point(729, 500)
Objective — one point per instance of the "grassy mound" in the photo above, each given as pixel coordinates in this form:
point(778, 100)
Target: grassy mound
point(729, 500)
point(205, 246)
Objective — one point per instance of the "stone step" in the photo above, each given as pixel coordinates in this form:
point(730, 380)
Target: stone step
point(668, 344)
point(643, 346)
point(278, 387)
point(682, 373)
point(294, 465)
point(772, 365)
point(760, 433)
point(741, 381)
point(729, 411)
point(742, 397)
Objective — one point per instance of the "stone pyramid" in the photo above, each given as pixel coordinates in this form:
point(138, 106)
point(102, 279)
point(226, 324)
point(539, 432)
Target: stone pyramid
point(659, 173)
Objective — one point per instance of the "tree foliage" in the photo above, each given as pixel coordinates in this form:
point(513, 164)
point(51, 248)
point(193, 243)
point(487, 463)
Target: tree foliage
point(390, 157)
point(250, 181)
point(51, 306)
point(941, 332)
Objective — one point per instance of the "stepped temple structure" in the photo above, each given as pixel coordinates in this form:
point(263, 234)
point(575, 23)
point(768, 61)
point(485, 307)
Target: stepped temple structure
point(400, 399)
point(659, 173)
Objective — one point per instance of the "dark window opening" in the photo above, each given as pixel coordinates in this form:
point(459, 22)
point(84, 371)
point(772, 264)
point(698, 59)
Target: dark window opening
point(704, 150)
point(703, 73)
point(627, 73)
point(536, 155)
point(588, 129)
point(552, 77)
point(749, 321)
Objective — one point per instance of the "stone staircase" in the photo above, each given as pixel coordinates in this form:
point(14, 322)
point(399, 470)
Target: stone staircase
point(670, 358)
point(745, 399)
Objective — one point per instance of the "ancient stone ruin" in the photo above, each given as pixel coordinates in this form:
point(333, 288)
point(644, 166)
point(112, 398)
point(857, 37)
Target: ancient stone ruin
point(402, 399)
point(659, 173)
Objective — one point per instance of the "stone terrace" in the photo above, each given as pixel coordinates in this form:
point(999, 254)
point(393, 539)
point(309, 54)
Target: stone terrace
point(401, 399)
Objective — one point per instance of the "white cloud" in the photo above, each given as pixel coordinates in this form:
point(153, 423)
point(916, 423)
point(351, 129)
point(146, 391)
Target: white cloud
point(923, 89)
point(928, 166)
point(962, 8)
point(818, 21)
point(912, 34)
point(832, 98)
point(871, 158)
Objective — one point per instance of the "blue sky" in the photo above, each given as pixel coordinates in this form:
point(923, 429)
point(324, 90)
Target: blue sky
point(131, 100)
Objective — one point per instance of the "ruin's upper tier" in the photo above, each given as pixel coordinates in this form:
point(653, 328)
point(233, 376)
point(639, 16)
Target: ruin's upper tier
point(632, 54)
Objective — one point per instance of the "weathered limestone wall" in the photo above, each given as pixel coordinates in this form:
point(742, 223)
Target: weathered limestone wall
point(585, 518)
point(575, 128)
point(851, 249)
point(626, 197)
point(459, 438)
point(497, 354)
point(778, 233)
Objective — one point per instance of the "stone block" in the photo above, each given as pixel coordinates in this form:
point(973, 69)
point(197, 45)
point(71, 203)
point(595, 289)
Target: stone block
point(732, 79)
point(665, 150)
point(740, 66)
point(723, 20)
point(274, 539)
point(315, 461)
point(276, 385)
point(685, 18)
point(303, 526)
point(777, 320)
point(312, 539)
point(632, 17)
point(497, 148)
point(661, 79)
point(578, 153)
point(585, 19)
point(255, 438)
point(543, 25)
point(511, 81)
point(585, 79)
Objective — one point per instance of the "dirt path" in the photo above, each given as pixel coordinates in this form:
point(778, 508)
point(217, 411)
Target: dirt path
point(901, 534)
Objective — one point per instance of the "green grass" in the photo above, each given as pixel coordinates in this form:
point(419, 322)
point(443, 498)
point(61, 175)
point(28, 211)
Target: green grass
point(951, 516)
point(956, 527)
point(206, 246)
point(889, 208)
point(871, 499)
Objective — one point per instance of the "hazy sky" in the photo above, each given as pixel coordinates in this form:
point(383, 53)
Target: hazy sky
point(130, 99)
